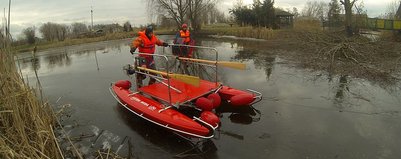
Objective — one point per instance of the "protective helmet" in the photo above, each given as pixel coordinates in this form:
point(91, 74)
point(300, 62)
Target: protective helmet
point(184, 26)
point(149, 29)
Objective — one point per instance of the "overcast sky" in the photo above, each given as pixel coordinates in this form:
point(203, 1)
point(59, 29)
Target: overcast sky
point(26, 13)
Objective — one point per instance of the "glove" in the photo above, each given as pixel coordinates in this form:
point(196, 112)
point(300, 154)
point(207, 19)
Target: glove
point(132, 50)
point(165, 44)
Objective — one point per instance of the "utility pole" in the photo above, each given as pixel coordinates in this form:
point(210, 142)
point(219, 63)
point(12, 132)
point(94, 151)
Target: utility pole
point(5, 24)
point(8, 24)
point(5, 29)
point(91, 18)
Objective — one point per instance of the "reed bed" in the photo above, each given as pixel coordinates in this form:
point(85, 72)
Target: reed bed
point(248, 32)
point(26, 123)
point(262, 32)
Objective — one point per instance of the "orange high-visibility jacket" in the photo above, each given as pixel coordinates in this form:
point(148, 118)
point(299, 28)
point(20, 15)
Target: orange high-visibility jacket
point(186, 35)
point(144, 44)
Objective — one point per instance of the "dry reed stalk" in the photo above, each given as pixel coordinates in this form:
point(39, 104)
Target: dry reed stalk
point(55, 139)
point(72, 144)
point(24, 120)
point(108, 154)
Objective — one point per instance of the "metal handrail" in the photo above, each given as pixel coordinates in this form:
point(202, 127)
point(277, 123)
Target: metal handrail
point(204, 122)
point(258, 96)
point(167, 70)
point(173, 88)
point(202, 47)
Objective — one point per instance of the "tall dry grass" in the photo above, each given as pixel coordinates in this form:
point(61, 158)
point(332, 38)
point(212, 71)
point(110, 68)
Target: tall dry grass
point(26, 125)
point(301, 25)
point(248, 32)
point(307, 25)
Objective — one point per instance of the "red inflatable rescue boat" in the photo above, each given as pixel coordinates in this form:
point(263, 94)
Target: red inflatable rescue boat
point(161, 102)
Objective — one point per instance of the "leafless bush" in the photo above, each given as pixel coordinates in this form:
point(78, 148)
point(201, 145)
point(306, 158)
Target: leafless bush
point(358, 56)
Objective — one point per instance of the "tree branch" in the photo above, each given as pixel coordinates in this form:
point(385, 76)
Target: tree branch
point(352, 3)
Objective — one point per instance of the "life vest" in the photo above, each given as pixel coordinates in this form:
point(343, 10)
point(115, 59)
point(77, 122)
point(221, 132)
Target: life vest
point(148, 44)
point(186, 35)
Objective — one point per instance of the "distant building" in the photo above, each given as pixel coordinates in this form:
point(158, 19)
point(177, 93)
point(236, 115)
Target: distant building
point(284, 19)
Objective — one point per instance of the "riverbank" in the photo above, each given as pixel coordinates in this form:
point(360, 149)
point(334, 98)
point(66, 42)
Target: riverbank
point(70, 42)
point(219, 30)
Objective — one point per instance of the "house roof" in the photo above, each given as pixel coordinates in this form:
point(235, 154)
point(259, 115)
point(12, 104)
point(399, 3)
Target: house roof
point(280, 12)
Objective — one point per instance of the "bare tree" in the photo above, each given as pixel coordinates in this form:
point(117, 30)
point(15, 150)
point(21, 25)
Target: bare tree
point(182, 10)
point(316, 10)
point(61, 31)
point(2, 39)
point(398, 12)
point(127, 26)
point(196, 8)
point(348, 4)
point(334, 13)
point(78, 28)
point(214, 15)
point(29, 34)
point(47, 31)
point(165, 22)
point(295, 12)
point(53, 31)
point(176, 9)
point(391, 10)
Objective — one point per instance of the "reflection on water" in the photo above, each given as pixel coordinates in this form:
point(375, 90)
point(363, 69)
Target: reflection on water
point(263, 61)
point(60, 60)
point(241, 115)
point(341, 91)
point(303, 114)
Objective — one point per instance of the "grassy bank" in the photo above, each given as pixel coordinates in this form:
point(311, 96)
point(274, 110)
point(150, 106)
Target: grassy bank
point(248, 32)
point(26, 124)
point(219, 29)
point(261, 32)
point(69, 42)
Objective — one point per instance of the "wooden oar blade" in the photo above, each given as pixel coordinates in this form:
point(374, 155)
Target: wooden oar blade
point(235, 65)
point(192, 80)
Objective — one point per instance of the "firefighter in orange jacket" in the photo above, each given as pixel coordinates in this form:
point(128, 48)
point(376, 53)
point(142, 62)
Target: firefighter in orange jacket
point(146, 43)
point(184, 33)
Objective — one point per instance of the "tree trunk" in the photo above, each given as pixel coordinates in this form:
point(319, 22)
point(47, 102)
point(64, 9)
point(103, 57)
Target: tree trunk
point(348, 16)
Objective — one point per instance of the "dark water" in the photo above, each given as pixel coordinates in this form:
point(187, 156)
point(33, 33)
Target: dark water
point(304, 114)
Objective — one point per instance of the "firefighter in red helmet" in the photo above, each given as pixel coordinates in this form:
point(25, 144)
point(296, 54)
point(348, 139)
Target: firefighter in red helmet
point(184, 33)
